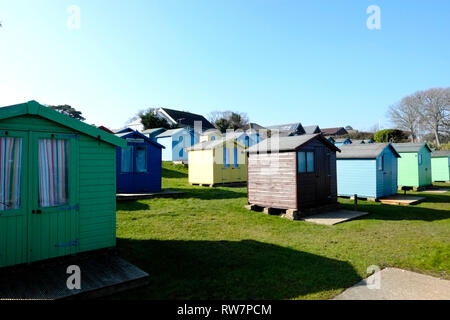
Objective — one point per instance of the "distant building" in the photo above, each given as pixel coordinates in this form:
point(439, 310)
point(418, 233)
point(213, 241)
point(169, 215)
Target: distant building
point(183, 119)
point(290, 129)
point(312, 129)
point(339, 131)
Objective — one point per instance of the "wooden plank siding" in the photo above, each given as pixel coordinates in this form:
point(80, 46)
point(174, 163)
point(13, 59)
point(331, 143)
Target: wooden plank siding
point(272, 180)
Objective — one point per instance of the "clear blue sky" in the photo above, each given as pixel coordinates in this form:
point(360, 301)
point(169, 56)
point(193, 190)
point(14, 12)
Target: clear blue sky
point(279, 61)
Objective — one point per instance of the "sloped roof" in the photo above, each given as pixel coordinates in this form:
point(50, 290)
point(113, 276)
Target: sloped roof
point(212, 144)
point(150, 131)
point(364, 151)
point(255, 126)
point(289, 127)
point(440, 153)
point(410, 147)
point(171, 132)
point(342, 140)
point(291, 143)
point(137, 134)
point(312, 129)
point(333, 131)
point(187, 119)
point(34, 108)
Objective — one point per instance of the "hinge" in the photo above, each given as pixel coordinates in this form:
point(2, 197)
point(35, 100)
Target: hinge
point(68, 244)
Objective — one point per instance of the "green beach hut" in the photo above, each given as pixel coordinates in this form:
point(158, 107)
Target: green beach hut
point(57, 185)
point(414, 166)
point(440, 165)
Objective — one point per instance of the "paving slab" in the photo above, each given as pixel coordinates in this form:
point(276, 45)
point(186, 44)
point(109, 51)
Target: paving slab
point(401, 200)
point(334, 217)
point(398, 284)
point(100, 275)
point(148, 195)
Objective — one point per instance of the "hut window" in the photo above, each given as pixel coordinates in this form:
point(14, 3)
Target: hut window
point(380, 163)
point(226, 158)
point(235, 158)
point(305, 162)
point(420, 159)
point(53, 172)
point(10, 173)
point(127, 159)
point(141, 159)
point(310, 161)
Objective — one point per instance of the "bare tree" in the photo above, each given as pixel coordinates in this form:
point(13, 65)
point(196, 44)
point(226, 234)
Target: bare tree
point(224, 120)
point(434, 109)
point(406, 116)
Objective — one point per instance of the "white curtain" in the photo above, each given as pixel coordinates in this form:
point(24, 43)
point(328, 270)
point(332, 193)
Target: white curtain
point(10, 173)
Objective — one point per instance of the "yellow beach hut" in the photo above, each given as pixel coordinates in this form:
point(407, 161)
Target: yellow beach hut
point(217, 162)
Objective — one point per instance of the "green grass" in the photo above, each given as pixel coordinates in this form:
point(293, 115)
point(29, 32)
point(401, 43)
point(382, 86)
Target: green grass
point(207, 246)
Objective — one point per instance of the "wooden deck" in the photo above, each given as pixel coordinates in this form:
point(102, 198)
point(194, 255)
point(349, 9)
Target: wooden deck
point(150, 195)
point(102, 273)
point(401, 200)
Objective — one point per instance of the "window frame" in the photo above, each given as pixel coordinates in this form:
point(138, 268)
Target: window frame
point(132, 169)
point(304, 154)
point(145, 147)
point(226, 156)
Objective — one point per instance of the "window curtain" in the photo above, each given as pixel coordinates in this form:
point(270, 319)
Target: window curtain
point(53, 172)
point(127, 159)
point(10, 173)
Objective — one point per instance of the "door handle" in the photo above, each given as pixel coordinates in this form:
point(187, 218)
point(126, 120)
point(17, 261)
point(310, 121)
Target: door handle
point(36, 211)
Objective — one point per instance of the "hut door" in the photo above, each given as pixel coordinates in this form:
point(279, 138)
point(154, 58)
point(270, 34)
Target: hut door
point(54, 219)
point(13, 197)
point(306, 178)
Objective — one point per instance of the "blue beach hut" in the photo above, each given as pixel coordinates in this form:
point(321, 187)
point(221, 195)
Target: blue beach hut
point(175, 142)
point(139, 164)
point(341, 142)
point(368, 170)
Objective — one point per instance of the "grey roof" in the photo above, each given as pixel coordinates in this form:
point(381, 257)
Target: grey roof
point(342, 140)
point(170, 132)
point(410, 147)
point(206, 145)
point(364, 151)
point(312, 129)
point(291, 143)
point(150, 131)
point(440, 153)
point(290, 127)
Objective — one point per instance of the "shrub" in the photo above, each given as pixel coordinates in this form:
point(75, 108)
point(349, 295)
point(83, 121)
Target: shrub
point(390, 135)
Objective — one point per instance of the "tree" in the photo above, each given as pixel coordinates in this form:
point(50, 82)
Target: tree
point(406, 116)
point(224, 120)
point(68, 111)
point(149, 120)
point(390, 135)
point(435, 110)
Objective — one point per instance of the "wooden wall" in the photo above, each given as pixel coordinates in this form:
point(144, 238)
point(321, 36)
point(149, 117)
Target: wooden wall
point(272, 180)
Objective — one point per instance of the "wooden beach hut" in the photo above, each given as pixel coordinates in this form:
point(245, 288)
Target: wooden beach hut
point(296, 173)
point(57, 185)
point(368, 170)
point(139, 164)
point(440, 165)
point(217, 162)
point(414, 166)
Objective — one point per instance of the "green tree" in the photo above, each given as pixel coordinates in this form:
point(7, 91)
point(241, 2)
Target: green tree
point(68, 111)
point(149, 120)
point(390, 135)
point(224, 120)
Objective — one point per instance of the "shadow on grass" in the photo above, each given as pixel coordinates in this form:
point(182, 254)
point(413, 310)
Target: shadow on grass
point(398, 212)
point(132, 205)
point(231, 270)
point(169, 173)
point(207, 193)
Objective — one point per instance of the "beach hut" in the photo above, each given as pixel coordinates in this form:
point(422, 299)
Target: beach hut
point(297, 173)
point(210, 135)
point(139, 164)
point(414, 166)
point(217, 162)
point(440, 165)
point(57, 185)
point(175, 142)
point(368, 170)
point(341, 142)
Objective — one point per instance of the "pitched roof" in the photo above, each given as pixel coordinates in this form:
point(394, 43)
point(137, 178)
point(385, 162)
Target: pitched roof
point(137, 134)
point(171, 132)
point(212, 144)
point(256, 126)
point(187, 119)
point(291, 143)
point(312, 129)
point(342, 140)
point(34, 108)
point(364, 151)
point(334, 131)
point(440, 153)
point(150, 131)
point(410, 147)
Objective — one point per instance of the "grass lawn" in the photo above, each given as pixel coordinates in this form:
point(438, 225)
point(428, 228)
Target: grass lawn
point(207, 246)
